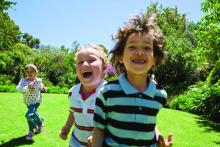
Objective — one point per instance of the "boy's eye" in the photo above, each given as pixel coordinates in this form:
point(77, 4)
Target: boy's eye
point(131, 47)
point(147, 48)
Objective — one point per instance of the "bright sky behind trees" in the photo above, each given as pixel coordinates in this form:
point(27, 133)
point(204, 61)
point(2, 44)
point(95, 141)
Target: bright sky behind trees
point(60, 22)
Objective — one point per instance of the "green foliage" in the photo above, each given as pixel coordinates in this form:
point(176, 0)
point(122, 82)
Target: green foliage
point(57, 65)
point(56, 89)
point(214, 75)
point(180, 69)
point(110, 78)
point(200, 99)
point(8, 32)
point(7, 88)
point(5, 5)
point(208, 31)
point(29, 40)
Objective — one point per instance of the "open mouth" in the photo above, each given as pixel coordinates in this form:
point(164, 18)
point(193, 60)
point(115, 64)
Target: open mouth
point(87, 74)
point(139, 61)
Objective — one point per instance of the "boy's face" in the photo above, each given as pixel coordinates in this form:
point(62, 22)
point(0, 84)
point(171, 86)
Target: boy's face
point(30, 73)
point(89, 67)
point(138, 56)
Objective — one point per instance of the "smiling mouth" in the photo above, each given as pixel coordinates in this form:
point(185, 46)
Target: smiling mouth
point(87, 74)
point(139, 61)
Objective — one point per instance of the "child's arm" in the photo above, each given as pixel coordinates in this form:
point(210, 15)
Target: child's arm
point(97, 137)
point(43, 88)
point(161, 142)
point(66, 128)
point(22, 86)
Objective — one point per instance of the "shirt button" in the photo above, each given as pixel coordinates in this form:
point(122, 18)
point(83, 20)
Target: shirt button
point(140, 108)
point(139, 95)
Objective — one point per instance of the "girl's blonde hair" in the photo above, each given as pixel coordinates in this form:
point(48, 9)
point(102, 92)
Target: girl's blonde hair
point(34, 67)
point(100, 49)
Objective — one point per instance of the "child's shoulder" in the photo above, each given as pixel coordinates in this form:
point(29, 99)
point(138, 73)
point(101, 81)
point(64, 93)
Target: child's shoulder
point(75, 87)
point(39, 79)
point(160, 91)
point(23, 80)
point(111, 86)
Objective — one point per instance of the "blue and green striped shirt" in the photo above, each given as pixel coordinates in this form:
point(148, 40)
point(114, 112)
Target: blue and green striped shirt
point(128, 115)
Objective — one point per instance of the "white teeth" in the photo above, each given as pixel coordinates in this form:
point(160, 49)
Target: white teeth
point(138, 61)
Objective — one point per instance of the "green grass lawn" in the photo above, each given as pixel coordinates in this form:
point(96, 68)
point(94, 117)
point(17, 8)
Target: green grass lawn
point(188, 130)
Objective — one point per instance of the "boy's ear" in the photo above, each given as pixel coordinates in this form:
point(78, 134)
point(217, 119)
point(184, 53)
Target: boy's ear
point(120, 59)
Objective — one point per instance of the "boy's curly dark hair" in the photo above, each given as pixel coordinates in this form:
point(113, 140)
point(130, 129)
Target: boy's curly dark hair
point(139, 24)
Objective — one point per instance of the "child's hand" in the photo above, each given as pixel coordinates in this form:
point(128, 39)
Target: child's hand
point(44, 89)
point(63, 133)
point(161, 142)
point(90, 141)
point(31, 85)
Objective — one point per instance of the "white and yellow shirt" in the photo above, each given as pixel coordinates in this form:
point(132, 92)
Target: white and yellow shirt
point(30, 97)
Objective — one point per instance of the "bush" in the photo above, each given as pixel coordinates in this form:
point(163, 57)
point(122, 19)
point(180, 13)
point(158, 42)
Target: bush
point(214, 75)
point(8, 88)
point(57, 89)
point(200, 99)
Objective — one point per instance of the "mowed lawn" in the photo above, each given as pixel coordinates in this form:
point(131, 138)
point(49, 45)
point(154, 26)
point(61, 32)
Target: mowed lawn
point(188, 130)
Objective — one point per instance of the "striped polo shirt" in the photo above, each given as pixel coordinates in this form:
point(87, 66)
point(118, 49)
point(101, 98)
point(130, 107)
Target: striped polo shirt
point(128, 115)
point(83, 111)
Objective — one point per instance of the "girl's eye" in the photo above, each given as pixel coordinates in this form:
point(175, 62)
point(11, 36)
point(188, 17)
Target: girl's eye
point(29, 71)
point(80, 63)
point(91, 60)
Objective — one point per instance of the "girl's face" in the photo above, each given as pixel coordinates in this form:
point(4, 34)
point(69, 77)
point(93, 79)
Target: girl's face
point(30, 73)
point(89, 67)
point(138, 56)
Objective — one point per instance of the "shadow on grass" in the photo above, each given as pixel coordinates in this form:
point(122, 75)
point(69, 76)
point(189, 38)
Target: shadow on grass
point(16, 142)
point(209, 126)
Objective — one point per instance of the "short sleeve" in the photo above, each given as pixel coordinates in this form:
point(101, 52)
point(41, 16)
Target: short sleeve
point(70, 96)
point(22, 85)
point(161, 96)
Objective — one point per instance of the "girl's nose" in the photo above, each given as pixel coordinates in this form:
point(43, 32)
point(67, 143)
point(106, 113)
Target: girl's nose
point(85, 63)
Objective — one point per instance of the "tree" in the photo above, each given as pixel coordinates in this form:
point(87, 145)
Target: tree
point(209, 38)
point(9, 31)
point(180, 69)
point(208, 31)
point(29, 40)
point(5, 5)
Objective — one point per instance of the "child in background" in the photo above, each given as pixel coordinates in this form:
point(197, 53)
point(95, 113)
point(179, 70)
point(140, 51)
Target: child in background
point(91, 62)
point(126, 109)
point(31, 87)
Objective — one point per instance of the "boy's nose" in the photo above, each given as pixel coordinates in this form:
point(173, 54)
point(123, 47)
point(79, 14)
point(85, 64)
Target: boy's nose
point(139, 52)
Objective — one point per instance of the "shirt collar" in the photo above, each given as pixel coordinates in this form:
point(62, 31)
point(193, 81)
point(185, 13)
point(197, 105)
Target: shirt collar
point(91, 95)
point(129, 89)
